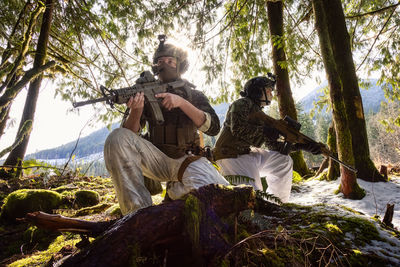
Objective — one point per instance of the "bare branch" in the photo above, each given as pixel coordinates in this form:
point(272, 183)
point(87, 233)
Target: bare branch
point(376, 39)
point(374, 12)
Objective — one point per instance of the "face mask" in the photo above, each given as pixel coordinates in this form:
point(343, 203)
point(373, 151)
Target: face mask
point(166, 73)
point(266, 97)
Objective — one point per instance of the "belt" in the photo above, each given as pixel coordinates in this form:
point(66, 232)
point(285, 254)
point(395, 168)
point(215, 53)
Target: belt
point(185, 164)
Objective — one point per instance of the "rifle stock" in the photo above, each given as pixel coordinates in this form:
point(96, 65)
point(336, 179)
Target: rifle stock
point(294, 136)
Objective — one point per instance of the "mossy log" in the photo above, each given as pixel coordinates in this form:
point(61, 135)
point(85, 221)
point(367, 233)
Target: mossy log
point(194, 221)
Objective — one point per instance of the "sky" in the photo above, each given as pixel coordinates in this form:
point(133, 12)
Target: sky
point(57, 123)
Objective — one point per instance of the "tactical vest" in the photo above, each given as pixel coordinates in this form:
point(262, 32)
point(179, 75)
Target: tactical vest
point(178, 134)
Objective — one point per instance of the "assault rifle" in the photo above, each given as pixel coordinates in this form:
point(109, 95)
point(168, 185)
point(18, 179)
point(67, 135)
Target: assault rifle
point(146, 84)
point(289, 129)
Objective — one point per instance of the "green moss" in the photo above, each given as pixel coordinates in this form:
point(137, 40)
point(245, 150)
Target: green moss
point(323, 176)
point(20, 202)
point(359, 259)
point(114, 210)
point(358, 192)
point(41, 258)
point(93, 209)
point(270, 258)
point(350, 209)
point(86, 198)
point(290, 255)
point(296, 178)
point(338, 226)
point(193, 216)
point(333, 228)
point(38, 237)
point(136, 258)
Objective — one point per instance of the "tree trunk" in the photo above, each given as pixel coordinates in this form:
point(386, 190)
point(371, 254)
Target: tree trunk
point(348, 186)
point(193, 221)
point(284, 93)
point(18, 153)
point(334, 168)
point(4, 115)
point(341, 47)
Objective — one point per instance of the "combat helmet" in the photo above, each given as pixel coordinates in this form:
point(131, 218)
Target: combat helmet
point(254, 88)
point(169, 50)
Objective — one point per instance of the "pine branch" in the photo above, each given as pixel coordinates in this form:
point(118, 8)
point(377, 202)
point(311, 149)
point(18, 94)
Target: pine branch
point(31, 74)
point(376, 39)
point(25, 44)
point(25, 129)
point(7, 52)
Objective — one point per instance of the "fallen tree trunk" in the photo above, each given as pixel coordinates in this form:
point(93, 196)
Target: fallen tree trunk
point(150, 236)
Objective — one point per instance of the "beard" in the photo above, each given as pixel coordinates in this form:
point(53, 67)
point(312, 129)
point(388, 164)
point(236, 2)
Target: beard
point(167, 73)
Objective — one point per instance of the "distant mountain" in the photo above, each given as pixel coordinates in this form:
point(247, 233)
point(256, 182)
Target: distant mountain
point(93, 144)
point(371, 97)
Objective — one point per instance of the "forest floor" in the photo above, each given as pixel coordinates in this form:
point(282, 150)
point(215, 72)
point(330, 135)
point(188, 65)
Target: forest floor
point(22, 244)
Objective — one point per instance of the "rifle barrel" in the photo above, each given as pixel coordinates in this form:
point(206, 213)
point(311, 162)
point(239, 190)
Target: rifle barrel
point(344, 164)
point(91, 101)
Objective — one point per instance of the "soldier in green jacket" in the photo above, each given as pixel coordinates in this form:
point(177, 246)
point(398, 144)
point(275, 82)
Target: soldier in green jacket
point(238, 150)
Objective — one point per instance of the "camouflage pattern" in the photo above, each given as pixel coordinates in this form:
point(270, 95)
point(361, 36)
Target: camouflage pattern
point(238, 134)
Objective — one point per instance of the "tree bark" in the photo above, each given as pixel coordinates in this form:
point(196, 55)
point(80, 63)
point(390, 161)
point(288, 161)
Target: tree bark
point(333, 166)
point(341, 48)
point(387, 219)
point(196, 219)
point(284, 92)
point(348, 186)
point(18, 153)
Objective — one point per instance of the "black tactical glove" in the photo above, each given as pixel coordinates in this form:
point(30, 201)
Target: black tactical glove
point(312, 147)
point(271, 133)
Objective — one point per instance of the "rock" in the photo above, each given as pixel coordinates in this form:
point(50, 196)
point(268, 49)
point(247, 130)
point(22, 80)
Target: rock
point(23, 201)
point(86, 198)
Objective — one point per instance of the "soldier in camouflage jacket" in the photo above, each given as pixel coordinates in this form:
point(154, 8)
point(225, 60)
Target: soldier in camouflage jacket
point(238, 150)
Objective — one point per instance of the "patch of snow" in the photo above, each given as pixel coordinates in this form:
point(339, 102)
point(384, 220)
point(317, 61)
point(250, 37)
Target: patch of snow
point(377, 196)
point(90, 158)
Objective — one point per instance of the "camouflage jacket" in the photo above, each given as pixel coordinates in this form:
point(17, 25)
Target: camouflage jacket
point(238, 134)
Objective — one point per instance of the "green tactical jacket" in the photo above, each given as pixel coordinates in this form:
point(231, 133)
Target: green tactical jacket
point(238, 134)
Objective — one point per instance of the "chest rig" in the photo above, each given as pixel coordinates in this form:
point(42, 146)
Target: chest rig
point(178, 134)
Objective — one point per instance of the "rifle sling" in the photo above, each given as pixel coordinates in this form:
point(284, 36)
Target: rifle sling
point(185, 164)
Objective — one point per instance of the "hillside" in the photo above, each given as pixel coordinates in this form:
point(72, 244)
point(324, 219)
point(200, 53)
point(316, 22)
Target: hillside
point(87, 145)
point(371, 96)
point(93, 143)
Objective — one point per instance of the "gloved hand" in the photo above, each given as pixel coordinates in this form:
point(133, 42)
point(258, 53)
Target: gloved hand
point(271, 133)
point(312, 147)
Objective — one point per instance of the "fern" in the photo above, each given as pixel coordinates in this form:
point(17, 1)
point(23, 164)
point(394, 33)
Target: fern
point(238, 179)
point(241, 179)
point(268, 196)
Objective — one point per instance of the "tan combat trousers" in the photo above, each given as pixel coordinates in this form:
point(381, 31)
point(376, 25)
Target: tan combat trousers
point(128, 157)
point(277, 168)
